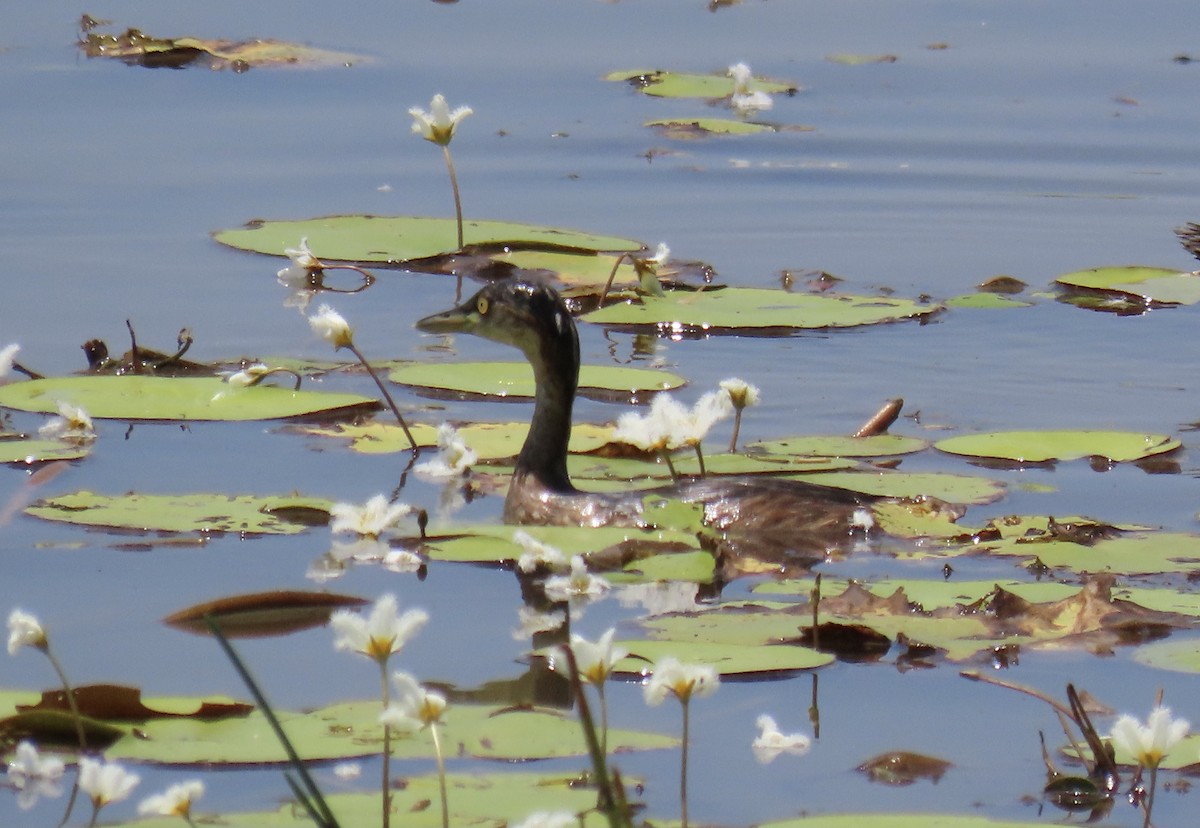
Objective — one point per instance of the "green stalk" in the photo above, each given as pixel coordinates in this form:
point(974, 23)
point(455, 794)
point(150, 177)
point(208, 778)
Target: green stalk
point(454, 187)
point(385, 785)
point(441, 766)
point(70, 694)
point(683, 768)
point(387, 396)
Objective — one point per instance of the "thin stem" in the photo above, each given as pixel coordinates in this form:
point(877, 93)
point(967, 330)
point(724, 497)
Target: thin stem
point(700, 459)
point(387, 396)
point(737, 427)
point(71, 702)
point(683, 768)
point(603, 718)
point(454, 187)
point(1150, 796)
point(95, 814)
point(612, 274)
point(441, 766)
point(665, 455)
point(385, 785)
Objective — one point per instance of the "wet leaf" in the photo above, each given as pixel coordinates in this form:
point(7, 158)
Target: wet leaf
point(1152, 285)
point(515, 379)
point(397, 239)
point(880, 445)
point(1044, 446)
point(183, 398)
point(986, 301)
point(24, 450)
point(664, 84)
point(684, 127)
point(904, 768)
point(755, 311)
point(952, 488)
point(728, 659)
point(209, 513)
point(1134, 554)
point(134, 47)
point(1180, 656)
point(261, 614)
point(572, 269)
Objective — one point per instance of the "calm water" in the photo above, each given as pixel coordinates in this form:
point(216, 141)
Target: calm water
point(1046, 138)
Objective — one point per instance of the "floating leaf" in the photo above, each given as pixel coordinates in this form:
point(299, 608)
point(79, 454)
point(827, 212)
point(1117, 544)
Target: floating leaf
point(183, 398)
point(881, 445)
point(1138, 554)
point(848, 59)
point(39, 451)
point(397, 239)
point(900, 767)
point(756, 310)
point(728, 659)
point(209, 513)
point(952, 488)
point(134, 47)
point(1044, 446)
point(613, 546)
point(591, 269)
point(515, 379)
point(917, 820)
point(489, 441)
point(1180, 656)
point(663, 84)
point(278, 612)
point(681, 127)
point(986, 301)
point(1151, 285)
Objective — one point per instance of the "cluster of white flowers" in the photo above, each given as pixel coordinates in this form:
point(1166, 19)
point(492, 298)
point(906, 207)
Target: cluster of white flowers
point(744, 99)
point(670, 424)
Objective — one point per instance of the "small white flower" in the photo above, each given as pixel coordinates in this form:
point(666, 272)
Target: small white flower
point(596, 660)
point(332, 327)
point(683, 681)
point(537, 555)
point(862, 519)
point(72, 423)
point(8, 356)
point(454, 457)
point(532, 622)
point(369, 520)
point(580, 585)
point(105, 782)
point(379, 635)
point(770, 742)
point(710, 409)
point(414, 708)
point(248, 375)
point(401, 561)
point(439, 123)
point(300, 270)
point(177, 800)
point(741, 393)
point(743, 99)
point(742, 76)
point(347, 770)
point(34, 776)
point(548, 819)
point(1151, 742)
point(24, 630)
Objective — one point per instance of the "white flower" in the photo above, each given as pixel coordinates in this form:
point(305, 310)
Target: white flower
point(34, 776)
point(301, 267)
point(379, 635)
point(8, 355)
point(369, 520)
point(741, 393)
point(24, 630)
point(347, 770)
point(743, 99)
point(105, 782)
point(537, 555)
point(669, 424)
point(862, 519)
point(596, 661)
point(415, 707)
point(454, 457)
point(248, 375)
point(439, 123)
point(533, 622)
point(72, 423)
point(176, 800)
point(332, 327)
point(580, 585)
point(770, 742)
point(548, 819)
point(1151, 742)
point(401, 561)
point(707, 412)
point(683, 681)
point(742, 76)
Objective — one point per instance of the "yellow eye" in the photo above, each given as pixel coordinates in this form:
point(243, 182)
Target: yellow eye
point(482, 306)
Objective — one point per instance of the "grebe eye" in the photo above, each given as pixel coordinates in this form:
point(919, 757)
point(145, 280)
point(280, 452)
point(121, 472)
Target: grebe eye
point(482, 306)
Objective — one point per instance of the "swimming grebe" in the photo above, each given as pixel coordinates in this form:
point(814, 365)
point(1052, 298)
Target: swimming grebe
point(531, 316)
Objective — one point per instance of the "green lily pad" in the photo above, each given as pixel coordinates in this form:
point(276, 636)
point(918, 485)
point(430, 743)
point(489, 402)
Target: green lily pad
point(694, 567)
point(1138, 554)
point(39, 451)
point(986, 301)
point(494, 544)
point(590, 269)
point(176, 398)
point(713, 126)
point(881, 445)
point(728, 658)
point(1180, 656)
point(663, 84)
point(953, 488)
point(756, 310)
point(917, 820)
point(1043, 446)
point(515, 379)
point(930, 595)
point(1155, 285)
point(479, 800)
point(853, 59)
point(489, 441)
point(396, 239)
point(245, 514)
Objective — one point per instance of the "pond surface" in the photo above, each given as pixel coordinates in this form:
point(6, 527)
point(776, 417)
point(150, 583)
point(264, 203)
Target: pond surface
point(1045, 138)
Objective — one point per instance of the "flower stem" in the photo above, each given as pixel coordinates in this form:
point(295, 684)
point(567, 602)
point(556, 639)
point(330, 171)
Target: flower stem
point(612, 275)
point(385, 785)
point(670, 466)
point(454, 187)
point(70, 696)
point(441, 766)
point(603, 718)
point(1150, 796)
point(700, 458)
point(683, 809)
point(387, 396)
point(737, 427)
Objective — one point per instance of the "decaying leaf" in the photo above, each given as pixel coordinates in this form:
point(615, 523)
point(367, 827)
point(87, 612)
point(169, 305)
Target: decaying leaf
point(901, 767)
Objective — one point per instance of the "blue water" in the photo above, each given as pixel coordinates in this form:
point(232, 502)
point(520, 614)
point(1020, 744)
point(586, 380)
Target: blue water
point(1046, 138)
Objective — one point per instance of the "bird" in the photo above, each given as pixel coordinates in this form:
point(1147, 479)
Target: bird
point(800, 518)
